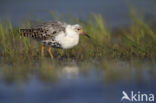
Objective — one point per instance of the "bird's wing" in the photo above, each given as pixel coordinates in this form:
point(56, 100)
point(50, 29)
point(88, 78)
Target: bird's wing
point(45, 31)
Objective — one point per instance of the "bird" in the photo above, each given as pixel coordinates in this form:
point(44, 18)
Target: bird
point(55, 34)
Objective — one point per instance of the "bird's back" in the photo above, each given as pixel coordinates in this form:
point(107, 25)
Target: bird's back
point(44, 31)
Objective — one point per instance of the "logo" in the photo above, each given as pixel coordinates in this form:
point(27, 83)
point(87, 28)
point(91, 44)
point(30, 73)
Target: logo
point(137, 97)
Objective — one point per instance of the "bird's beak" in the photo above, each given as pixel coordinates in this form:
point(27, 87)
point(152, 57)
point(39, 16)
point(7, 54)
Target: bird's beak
point(87, 35)
point(83, 33)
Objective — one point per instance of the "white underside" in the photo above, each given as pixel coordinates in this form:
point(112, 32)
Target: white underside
point(67, 41)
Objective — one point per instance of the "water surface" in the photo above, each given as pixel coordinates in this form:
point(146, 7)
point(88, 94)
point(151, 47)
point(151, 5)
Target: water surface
point(75, 82)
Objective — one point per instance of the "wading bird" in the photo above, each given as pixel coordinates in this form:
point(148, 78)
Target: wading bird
point(55, 34)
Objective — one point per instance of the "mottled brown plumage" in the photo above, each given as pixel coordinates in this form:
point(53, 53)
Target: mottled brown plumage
point(44, 31)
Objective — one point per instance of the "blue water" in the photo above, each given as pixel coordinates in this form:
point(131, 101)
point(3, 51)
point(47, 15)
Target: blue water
point(115, 12)
point(81, 91)
point(77, 83)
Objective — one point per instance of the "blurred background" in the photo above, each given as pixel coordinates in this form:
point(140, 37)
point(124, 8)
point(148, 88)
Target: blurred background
point(115, 12)
point(83, 74)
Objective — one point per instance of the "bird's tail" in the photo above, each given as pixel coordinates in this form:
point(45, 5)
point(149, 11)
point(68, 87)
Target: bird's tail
point(26, 32)
point(33, 33)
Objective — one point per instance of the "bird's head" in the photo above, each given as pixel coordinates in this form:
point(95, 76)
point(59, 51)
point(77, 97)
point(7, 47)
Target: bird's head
point(77, 28)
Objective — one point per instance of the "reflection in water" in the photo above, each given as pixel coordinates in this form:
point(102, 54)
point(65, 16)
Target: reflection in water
point(70, 72)
point(69, 82)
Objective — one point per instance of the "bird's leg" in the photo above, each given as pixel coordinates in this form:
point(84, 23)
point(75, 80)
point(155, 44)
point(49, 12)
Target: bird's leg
point(50, 53)
point(42, 50)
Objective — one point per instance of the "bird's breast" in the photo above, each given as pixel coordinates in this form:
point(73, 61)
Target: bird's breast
point(67, 42)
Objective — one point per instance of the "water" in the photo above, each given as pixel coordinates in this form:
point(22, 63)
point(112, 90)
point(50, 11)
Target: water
point(115, 12)
point(71, 81)
point(75, 82)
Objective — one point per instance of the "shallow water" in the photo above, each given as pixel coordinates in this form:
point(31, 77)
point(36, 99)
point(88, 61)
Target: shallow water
point(115, 12)
point(75, 82)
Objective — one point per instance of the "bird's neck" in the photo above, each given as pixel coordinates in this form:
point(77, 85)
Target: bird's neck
point(70, 32)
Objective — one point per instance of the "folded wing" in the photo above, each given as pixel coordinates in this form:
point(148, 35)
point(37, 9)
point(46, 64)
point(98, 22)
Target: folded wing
point(44, 31)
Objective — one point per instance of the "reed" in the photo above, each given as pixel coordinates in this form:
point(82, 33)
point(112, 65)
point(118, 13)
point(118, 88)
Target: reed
point(137, 40)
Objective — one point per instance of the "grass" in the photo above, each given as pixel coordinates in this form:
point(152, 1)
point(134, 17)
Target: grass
point(20, 57)
point(136, 41)
point(107, 71)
